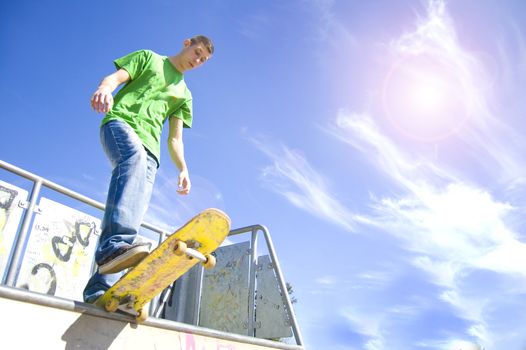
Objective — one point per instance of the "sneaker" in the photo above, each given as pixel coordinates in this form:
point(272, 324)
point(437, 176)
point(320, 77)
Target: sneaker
point(124, 258)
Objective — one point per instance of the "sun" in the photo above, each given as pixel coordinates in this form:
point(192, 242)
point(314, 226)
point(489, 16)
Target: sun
point(427, 93)
point(423, 98)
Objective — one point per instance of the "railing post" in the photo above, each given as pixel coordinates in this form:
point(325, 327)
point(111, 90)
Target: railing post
point(14, 263)
point(251, 322)
point(283, 286)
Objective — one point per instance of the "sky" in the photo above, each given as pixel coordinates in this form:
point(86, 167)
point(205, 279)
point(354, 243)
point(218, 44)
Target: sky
point(379, 141)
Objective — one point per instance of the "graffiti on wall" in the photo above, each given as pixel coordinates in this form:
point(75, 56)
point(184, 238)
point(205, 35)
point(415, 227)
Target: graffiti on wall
point(10, 215)
point(59, 254)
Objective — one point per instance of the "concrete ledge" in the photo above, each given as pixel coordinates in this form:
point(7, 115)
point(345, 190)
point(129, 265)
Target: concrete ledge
point(37, 321)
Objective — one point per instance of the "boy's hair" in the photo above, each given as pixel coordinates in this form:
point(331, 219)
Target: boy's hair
point(201, 39)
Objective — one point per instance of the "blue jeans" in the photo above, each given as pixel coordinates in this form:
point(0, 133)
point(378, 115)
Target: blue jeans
point(129, 194)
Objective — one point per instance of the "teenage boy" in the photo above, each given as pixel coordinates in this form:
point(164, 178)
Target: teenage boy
point(130, 134)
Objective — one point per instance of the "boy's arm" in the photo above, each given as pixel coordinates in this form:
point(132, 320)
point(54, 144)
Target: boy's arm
point(102, 99)
point(176, 148)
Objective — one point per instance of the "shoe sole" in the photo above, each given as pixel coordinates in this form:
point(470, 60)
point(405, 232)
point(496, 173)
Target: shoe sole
point(129, 259)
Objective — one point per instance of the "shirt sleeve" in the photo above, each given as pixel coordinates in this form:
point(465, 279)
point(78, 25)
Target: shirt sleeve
point(185, 113)
point(134, 62)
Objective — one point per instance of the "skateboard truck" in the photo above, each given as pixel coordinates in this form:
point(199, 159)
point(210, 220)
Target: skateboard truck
point(126, 305)
point(182, 248)
point(128, 301)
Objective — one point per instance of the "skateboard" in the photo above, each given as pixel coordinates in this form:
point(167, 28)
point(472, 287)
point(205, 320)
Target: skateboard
point(189, 245)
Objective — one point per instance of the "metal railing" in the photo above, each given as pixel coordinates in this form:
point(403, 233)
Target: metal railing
point(15, 260)
point(88, 309)
point(254, 229)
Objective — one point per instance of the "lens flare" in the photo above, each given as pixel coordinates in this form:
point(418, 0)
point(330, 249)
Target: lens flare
point(423, 98)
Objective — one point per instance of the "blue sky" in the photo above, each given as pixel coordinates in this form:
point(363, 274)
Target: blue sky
point(381, 143)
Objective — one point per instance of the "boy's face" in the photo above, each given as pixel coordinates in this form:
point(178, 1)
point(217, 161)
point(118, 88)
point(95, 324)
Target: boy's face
point(195, 55)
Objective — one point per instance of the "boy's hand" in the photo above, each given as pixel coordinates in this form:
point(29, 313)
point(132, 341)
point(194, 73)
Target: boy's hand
point(102, 99)
point(184, 183)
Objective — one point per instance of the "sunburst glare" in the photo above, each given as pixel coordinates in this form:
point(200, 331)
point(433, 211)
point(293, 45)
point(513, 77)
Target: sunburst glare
point(423, 98)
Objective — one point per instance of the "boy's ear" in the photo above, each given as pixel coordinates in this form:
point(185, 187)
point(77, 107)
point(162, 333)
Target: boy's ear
point(187, 42)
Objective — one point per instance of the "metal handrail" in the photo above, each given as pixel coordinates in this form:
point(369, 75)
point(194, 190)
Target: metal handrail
point(74, 306)
point(38, 182)
point(279, 275)
point(14, 262)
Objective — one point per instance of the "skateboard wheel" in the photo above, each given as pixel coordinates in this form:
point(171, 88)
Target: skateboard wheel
point(210, 261)
point(112, 304)
point(180, 248)
point(142, 315)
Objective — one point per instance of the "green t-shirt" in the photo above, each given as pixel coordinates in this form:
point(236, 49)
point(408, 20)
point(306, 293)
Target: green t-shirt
point(156, 91)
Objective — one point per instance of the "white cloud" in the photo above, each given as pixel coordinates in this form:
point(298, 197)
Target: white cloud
point(462, 345)
point(359, 131)
point(451, 343)
point(291, 176)
point(326, 280)
point(367, 324)
point(328, 28)
point(452, 224)
point(491, 141)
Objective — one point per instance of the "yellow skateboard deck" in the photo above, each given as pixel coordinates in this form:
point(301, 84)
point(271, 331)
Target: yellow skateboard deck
point(192, 243)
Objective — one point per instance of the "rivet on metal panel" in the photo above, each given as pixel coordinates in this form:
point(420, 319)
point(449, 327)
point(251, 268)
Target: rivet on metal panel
point(258, 324)
point(23, 204)
point(37, 210)
point(270, 266)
